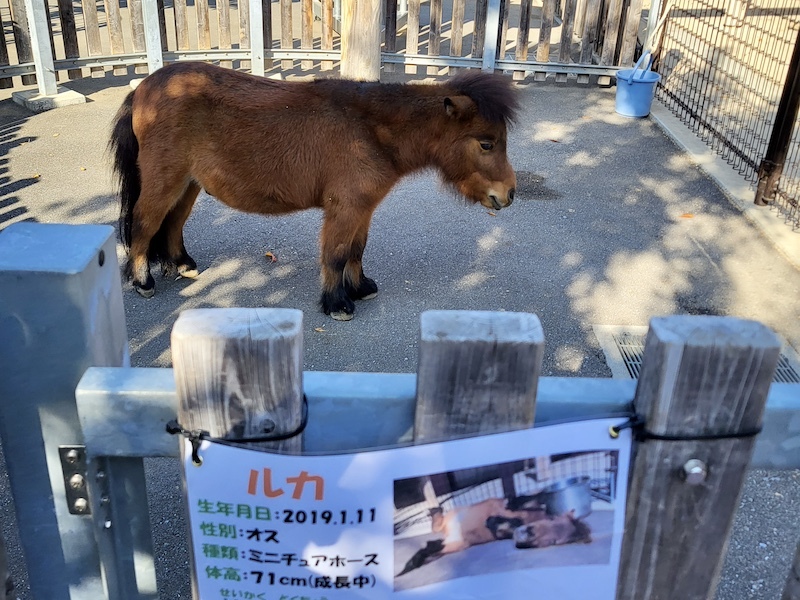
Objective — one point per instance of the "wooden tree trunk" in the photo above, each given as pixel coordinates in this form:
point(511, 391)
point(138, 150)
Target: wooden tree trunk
point(361, 40)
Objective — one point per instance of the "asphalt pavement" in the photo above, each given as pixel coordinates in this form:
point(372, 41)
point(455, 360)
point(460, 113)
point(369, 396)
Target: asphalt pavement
point(613, 224)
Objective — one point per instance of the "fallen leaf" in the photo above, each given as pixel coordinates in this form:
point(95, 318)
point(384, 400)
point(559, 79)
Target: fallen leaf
point(271, 257)
point(687, 216)
point(320, 329)
point(491, 214)
point(83, 168)
point(36, 175)
point(56, 135)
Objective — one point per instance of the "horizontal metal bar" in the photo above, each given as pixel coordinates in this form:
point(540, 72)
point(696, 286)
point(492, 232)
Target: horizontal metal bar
point(434, 61)
point(124, 412)
point(547, 67)
point(299, 54)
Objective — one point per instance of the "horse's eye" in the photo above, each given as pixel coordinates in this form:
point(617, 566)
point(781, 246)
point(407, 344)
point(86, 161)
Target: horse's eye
point(487, 145)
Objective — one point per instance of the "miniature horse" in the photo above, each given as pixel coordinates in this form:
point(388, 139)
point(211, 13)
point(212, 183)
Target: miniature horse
point(274, 147)
point(479, 523)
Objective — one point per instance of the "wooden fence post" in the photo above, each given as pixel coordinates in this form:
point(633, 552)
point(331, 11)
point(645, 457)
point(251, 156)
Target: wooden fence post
point(361, 40)
point(701, 376)
point(478, 373)
point(792, 589)
point(238, 371)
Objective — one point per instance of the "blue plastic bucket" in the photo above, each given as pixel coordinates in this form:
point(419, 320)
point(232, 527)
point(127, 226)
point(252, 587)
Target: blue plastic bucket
point(635, 89)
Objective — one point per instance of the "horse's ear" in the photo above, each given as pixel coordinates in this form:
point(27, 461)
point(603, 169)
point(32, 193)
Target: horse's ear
point(458, 106)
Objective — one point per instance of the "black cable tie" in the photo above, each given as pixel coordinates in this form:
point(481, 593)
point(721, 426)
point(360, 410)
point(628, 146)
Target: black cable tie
point(198, 435)
point(637, 423)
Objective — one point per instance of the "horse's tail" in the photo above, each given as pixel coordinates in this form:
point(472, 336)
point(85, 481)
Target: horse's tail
point(125, 149)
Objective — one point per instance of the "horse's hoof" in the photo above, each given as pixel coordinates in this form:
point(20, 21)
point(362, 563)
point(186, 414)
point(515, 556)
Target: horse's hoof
point(366, 290)
point(188, 273)
point(342, 316)
point(145, 292)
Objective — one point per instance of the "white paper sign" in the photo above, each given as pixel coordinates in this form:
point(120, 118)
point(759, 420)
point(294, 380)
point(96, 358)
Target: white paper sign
point(537, 513)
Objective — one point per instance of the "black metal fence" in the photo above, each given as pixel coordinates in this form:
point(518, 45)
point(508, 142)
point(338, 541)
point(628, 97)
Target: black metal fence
point(724, 66)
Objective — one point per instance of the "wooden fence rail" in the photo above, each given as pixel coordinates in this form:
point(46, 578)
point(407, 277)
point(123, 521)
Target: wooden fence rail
point(704, 387)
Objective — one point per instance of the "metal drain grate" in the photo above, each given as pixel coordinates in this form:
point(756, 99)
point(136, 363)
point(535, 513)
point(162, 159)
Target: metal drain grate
point(624, 346)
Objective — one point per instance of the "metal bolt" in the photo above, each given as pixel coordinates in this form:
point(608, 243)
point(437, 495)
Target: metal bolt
point(107, 525)
point(72, 456)
point(77, 481)
point(81, 505)
point(101, 475)
point(104, 500)
point(695, 471)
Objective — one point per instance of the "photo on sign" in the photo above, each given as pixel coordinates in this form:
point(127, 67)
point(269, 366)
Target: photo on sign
point(541, 512)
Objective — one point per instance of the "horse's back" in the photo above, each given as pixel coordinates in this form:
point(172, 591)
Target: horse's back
point(251, 142)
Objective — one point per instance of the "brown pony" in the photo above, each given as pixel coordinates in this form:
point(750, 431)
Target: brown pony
point(479, 523)
point(273, 147)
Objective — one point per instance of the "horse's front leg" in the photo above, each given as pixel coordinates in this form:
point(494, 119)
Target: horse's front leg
point(344, 236)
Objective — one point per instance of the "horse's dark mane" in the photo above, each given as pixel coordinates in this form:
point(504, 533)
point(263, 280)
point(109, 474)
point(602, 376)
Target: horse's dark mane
point(494, 95)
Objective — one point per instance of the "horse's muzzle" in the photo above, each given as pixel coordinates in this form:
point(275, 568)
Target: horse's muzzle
point(496, 201)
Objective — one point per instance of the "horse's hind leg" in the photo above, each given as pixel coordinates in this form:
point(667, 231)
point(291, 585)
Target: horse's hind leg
point(161, 191)
point(176, 259)
point(357, 285)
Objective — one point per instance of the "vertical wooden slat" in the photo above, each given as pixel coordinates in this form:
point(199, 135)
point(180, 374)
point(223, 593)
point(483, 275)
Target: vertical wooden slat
point(46, 4)
point(5, 82)
point(224, 17)
point(306, 31)
point(92, 27)
point(69, 34)
point(546, 30)
point(701, 377)
point(327, 31)
point(565, 51)
point(503, 38)
point(478, 373)
point(137, 29)
point(162, 25)
point(266, 12)
point(613, 26)
point(580, 16)
point(567, 30)
point(115, 32)
point(244, 29)
point(390, 37)
point(479, 35)
point(631, 32)
point(182, 23)
point(457, 28)
point(523, 36)
point(22, 38)
point(287, 38)
point(238, 372)
point(589, 37)
point(412, 33)
point(435, 34)
point(203, 24)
